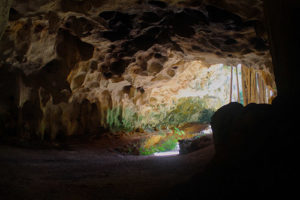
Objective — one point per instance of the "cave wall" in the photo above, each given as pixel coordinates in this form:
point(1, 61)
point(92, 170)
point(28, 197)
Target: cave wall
point(281, 19)
point(4, 12)
point(76, 66)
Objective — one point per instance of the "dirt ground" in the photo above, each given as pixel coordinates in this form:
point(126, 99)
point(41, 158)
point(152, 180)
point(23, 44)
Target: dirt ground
point(93, 170)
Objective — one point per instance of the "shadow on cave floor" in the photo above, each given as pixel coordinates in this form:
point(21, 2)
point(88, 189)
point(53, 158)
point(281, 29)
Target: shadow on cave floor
point(93, 171)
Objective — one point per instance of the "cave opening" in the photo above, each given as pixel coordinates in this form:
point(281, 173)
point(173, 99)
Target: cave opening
point(118, 69)
point(202, 91)
point(87, 87)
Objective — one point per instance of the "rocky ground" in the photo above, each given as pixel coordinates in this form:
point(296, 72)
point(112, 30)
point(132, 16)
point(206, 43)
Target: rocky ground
point(93, 171)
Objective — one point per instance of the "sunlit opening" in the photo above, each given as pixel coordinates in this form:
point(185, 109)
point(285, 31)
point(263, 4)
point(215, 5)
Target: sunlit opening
point(177, 103)
point(176, 150)
point(194, 96)
point(173, 152)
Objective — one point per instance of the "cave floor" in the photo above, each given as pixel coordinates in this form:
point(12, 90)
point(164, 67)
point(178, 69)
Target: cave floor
point(93, 171)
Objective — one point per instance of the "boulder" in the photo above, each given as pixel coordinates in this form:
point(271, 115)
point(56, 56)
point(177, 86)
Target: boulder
point(194, 144)
point(221, 124)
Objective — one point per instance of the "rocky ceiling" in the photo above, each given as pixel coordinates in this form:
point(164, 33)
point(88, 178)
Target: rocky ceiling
point(69, 59)
point(226, 31)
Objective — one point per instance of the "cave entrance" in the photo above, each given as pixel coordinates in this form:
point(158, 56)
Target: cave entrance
point(177, 103)
point(184, 127)
point(187, 144)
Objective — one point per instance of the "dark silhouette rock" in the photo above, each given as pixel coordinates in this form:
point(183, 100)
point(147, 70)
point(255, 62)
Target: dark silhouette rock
point(221, 124)
point(251, 151)
point(194, 144)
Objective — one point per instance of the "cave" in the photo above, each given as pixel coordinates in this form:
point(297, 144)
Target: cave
point(143, 99)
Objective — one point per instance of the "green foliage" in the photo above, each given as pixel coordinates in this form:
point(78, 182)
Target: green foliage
point(227, 67)
point(178, 132)
point(129, 119)
point(147, 151)
point(206, 115)
point(189, 109)
point(167, 145)
point(121, 120)
point(242, 97)
point(113, 118)
point(185, 110)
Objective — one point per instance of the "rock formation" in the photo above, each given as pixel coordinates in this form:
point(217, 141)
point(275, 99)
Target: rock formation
point(75, 67)
point(72, 67)
point(256, 145)
point(4, 12)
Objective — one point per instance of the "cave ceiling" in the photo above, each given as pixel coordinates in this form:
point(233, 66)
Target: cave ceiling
point(74, 66)
point(223, 31)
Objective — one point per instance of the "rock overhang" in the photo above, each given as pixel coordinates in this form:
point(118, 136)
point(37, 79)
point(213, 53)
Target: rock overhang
point(225, 31)
point(120, 54)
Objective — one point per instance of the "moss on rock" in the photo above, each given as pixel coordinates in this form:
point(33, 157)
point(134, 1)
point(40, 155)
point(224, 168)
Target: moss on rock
point(185, 110)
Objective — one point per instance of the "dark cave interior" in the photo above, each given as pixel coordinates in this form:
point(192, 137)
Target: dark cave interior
point(91, 89)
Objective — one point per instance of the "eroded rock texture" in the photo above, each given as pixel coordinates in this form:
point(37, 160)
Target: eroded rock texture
point(73, 67)
point(4, 11)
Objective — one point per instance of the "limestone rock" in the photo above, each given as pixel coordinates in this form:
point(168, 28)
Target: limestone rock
point(77, 81)
point(124, 64)
point(154, 66)
point(4, 13)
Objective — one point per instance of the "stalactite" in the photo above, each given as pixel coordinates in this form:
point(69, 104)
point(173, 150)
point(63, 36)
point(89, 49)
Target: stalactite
point(256, 91)
point(263, 90)
point(245, 85)
point(231, 76)
point(237, 85)
point(256, 96)
point(259, 92)
point(267, 92)
point(256, 88)
point(253, 86)
point(257, 81)
point(249, 85)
